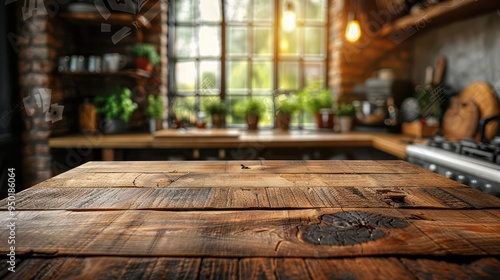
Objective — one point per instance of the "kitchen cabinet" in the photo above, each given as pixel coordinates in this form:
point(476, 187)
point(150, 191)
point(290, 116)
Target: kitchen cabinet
point(253, 219)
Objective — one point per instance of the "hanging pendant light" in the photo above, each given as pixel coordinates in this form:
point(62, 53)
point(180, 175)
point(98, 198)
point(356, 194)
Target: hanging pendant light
point(353, 29)
point(289, 18)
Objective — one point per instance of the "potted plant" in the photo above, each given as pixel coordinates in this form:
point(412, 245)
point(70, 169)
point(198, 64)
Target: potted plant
point(287, 106)
point(154, 111)
point(146, 56)
point(319, 103)
point(117, 107)
point(251, 109)
point(217, 109)
point(345, 113)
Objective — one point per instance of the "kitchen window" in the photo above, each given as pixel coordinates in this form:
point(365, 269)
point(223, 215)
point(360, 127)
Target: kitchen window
point(236, 49)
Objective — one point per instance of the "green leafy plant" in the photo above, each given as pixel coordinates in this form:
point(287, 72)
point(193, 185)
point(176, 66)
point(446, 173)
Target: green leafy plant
point(148, 51)
point(345, 110)
point(249, 106)
point(215, 106)
point(116, 104)
point(315, 99)
point(287, 105)
point(155, 107)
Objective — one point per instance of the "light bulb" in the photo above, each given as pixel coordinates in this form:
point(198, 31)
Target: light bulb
point(289, 18)
point(353, 31)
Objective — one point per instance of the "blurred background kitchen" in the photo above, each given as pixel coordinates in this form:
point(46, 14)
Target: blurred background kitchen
point(247, 79)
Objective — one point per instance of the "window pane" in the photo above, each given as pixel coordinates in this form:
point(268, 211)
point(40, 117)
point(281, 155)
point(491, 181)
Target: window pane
point(289, 43)
point(238, 41)
point(263, 10)
point(210, 77)
point(185, 75)
point(288, 75)
point(237, 10)
point(184, 10)
point(209, 41)
point(185, 42)
point(237, 75)
point(262, 75)
point(315, 9)
point(210, 10)
point(314, 72)
point(262, 41)
point(314, 41)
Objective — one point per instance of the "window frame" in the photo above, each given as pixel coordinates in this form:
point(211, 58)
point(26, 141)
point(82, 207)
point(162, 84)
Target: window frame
point(224, 59)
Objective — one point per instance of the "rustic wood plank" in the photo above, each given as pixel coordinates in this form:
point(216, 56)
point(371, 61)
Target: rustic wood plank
point(464, 232)
point(256, 268)
point(251, 198)
point(257, 166)
point(358, 268)
point(75, 267)
point(219, 268)
point(213, 180)
point(427, 179)
point(291, 268)
point(485, 268)
point(255, 233)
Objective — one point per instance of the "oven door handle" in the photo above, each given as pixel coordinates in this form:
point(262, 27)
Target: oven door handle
point(482, 126)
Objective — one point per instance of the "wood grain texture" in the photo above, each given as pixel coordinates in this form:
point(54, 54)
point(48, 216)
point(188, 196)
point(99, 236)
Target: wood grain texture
point(247, 233)
point(269, 220)
point(251, 198)
point(75, 267)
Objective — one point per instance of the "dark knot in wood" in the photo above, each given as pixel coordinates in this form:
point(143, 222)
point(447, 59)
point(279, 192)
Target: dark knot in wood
point(349, 228)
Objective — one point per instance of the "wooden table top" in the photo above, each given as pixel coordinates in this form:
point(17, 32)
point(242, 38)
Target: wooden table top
point(252, 220)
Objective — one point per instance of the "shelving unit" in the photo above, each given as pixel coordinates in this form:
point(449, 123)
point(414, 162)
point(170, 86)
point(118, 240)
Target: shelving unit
point(135, 73)
point(442, 13)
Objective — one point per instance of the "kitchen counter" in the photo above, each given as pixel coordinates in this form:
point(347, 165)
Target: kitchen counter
point(252, 220)
point(175, 139)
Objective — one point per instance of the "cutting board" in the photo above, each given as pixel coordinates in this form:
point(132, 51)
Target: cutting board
point(461, 119)
point(484, 96)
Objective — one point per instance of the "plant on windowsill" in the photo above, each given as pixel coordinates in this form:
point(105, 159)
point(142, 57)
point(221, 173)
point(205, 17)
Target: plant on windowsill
point(217, 110)
point(116, 107)
point(286, 107)
point(251, 109)
point(319, 103)
point(146, 56)
point(345, 114)
point(154, 111)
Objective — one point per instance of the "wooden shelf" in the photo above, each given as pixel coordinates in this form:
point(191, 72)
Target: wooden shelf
point(135, 73)
point(96, 18)
point(439, 14)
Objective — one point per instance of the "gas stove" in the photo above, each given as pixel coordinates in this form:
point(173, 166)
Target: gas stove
point(476, 164)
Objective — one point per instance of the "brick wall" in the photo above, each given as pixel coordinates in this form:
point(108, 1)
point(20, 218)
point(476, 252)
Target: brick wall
point(353, 63)
point(38, 52)
point(46, 37)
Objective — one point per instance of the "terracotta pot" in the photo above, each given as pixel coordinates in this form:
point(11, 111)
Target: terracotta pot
point(324, 119)
point(345, 123)
point(252, 121)
point(144, 64)
point(283, 121)
point(217, 120)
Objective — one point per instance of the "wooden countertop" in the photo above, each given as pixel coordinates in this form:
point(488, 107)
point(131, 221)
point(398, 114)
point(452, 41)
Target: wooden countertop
point(252, 220)
point(394, 144)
